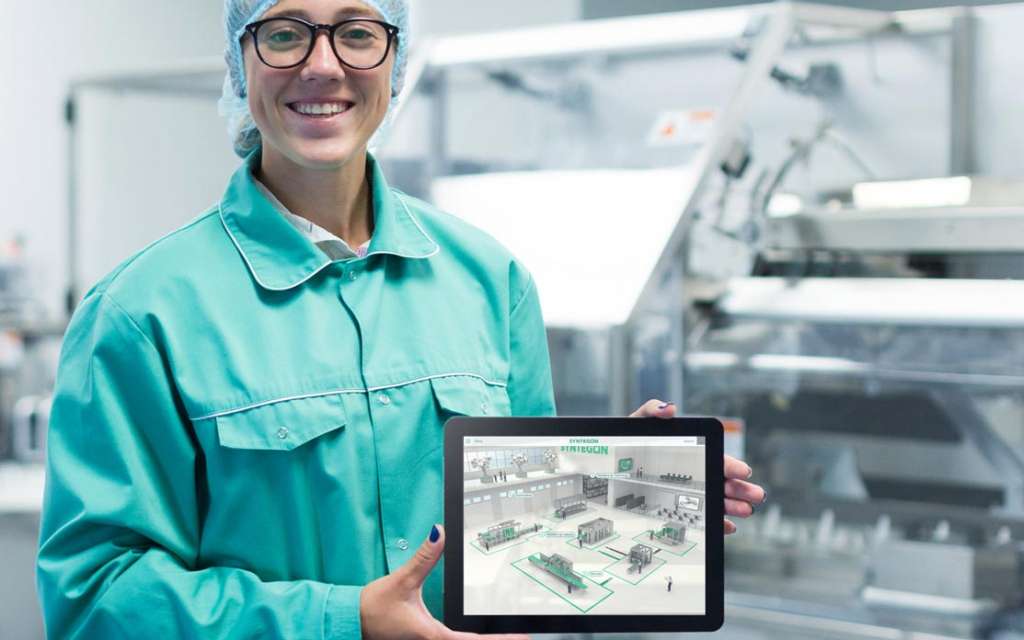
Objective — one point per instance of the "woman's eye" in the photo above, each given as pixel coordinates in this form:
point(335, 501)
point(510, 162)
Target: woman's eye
point(357, 34)
point(283, 37)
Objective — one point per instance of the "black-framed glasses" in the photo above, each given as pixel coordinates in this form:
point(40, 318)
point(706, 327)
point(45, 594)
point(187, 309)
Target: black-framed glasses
point(359, 43)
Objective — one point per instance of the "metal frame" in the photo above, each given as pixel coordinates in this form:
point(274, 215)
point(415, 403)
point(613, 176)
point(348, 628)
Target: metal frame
point(962, 127)
point(916, 302)
point(783, 24)
point(926, 230)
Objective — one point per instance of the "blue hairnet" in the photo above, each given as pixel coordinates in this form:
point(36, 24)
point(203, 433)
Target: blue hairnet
point(234, 103)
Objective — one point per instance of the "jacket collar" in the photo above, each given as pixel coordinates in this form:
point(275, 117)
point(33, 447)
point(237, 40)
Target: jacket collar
point(280, 257)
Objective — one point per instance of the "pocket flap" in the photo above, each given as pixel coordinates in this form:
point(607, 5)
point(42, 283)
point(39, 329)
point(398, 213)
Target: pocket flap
point(282, 425)
point(470, 396)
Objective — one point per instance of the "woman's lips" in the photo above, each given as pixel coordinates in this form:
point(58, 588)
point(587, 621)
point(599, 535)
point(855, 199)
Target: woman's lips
point(320, 109)
point(318, 119)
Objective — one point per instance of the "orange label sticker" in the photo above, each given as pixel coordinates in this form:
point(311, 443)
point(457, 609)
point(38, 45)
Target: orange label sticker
point(681, 128)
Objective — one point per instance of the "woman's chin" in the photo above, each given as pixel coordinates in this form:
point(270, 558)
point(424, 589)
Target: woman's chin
point(323, 154)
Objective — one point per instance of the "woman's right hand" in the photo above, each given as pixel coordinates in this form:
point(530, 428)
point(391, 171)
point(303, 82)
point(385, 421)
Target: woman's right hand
point(391, 608)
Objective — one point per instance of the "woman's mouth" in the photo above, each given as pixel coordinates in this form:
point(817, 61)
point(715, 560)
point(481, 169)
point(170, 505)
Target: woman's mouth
point(320, 110)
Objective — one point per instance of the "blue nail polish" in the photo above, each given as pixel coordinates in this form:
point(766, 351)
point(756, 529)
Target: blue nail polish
point(434, 533)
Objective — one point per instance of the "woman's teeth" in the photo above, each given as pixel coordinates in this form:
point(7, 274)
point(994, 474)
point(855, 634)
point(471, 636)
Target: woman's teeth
point(327, 109)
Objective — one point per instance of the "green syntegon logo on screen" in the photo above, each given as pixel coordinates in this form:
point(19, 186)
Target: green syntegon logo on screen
point(597, 450)
point(625, 464)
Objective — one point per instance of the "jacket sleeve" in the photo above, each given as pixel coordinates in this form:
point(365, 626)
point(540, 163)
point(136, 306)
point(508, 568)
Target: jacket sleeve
point(119, 539)
point(529, 383)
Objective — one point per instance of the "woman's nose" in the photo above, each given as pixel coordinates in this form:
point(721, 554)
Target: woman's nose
point(322, 61)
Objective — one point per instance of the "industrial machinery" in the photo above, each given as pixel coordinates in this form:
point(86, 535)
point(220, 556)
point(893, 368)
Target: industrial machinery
point(676, 478)
point(16, 299)
point(519, 460)
point(672, 533)
point(30, 417)
point(565, 507)
point(560, 567)
point(503, 532)
point(640, 555)
point(594, 531)
point(629, 502)
point(483, 463)
point(551, 459)
point(686, 518)
point(829, 265)
point(595, 487)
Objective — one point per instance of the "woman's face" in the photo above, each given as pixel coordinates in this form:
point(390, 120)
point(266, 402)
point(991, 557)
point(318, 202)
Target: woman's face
point(350, 103)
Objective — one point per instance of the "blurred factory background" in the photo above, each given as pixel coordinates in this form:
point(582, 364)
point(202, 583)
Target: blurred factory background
point(805, 218)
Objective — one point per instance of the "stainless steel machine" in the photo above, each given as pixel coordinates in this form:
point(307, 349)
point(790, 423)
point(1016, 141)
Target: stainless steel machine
point(794, 192)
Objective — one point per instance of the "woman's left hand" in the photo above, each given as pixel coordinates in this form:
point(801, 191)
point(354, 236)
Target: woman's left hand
point(740, 495)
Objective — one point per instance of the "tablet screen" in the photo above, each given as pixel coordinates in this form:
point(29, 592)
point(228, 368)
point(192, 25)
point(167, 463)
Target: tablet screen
point(584, 526)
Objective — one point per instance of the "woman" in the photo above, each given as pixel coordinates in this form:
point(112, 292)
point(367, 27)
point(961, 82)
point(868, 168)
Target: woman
point(246, 431)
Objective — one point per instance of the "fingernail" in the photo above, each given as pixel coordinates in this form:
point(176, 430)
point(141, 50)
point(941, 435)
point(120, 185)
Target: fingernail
point(664, 405)
point(765, 498)
point(753, 509)
point(434, 533)
point(750, 471)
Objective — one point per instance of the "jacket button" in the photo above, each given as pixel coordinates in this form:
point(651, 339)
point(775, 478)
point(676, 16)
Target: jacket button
point(384, 399)
point(282, 433)
point(402, 544)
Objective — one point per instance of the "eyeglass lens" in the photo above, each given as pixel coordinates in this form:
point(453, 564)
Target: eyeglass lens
point(359, 43)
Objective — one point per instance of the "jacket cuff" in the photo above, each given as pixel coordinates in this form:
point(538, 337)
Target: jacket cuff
point(341, 613)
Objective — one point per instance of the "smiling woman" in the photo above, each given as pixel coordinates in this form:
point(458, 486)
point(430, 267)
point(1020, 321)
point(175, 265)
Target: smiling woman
point(246, 430)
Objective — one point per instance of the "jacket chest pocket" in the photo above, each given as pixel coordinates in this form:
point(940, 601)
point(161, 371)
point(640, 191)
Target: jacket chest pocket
point(470, 396)
point(281, 425)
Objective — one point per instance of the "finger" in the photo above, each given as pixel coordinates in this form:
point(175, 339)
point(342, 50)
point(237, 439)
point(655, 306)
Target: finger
point(737, 468)
point(739, 508)
point(448, 634)
point(748, 491)
point(415, 571)
point(730, 527)
point(655, 409)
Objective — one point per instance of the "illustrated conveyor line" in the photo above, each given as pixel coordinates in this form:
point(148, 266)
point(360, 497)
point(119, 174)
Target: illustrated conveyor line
point(565, 575)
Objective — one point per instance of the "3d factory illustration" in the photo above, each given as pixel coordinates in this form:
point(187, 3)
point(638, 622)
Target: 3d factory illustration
point(580, 526)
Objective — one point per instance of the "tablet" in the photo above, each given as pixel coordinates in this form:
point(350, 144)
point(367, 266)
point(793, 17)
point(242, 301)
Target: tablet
point(583, 525)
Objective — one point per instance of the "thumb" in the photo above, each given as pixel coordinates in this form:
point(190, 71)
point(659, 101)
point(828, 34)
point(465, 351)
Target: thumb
point(415, 571)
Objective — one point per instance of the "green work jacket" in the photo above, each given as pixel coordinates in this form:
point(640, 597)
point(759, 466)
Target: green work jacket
point(245, 432)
